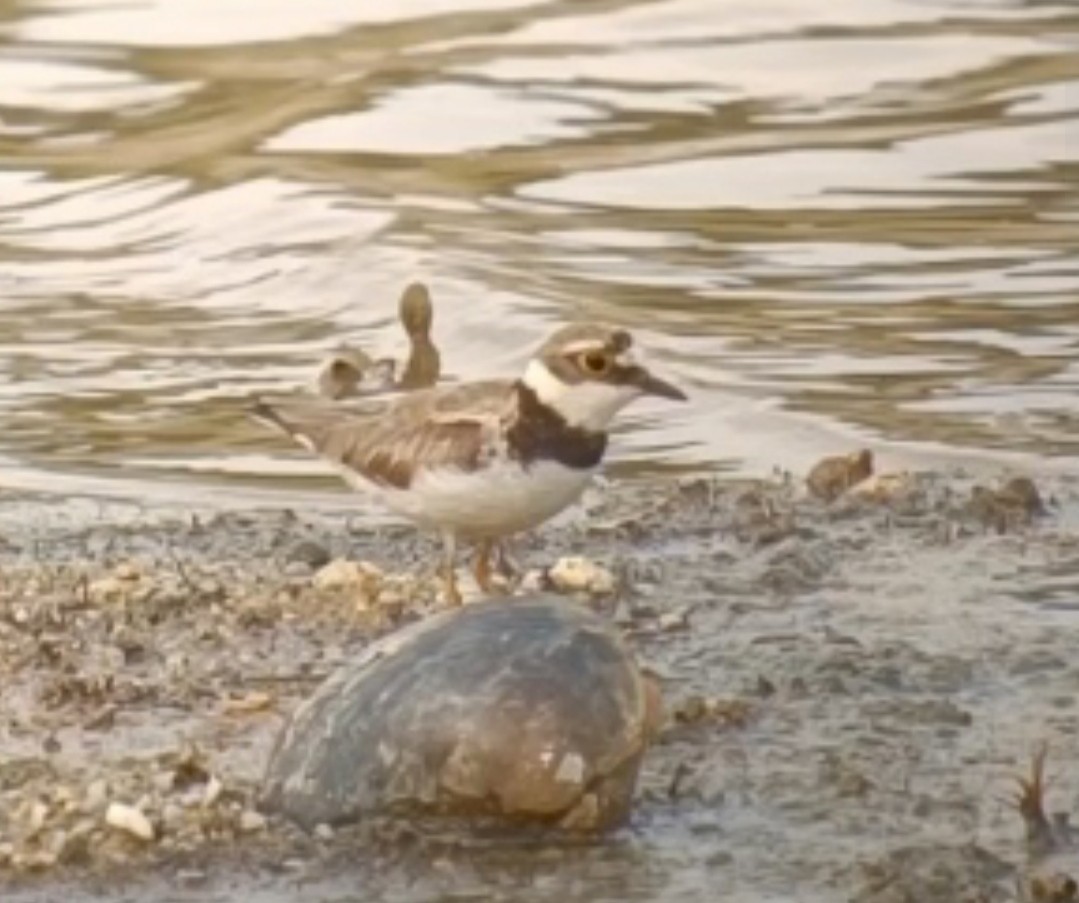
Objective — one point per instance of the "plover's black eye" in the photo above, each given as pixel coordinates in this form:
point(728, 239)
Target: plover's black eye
point(595, 362)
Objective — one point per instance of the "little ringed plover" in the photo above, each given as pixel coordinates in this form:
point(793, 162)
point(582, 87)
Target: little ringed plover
point(483, 460)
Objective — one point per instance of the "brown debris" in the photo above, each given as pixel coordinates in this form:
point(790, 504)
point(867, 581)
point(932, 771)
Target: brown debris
point(1044, 835)
point(832, 476)
point(1056, 888)
point(722, 711)
point(1016, 504)
point(255, 701)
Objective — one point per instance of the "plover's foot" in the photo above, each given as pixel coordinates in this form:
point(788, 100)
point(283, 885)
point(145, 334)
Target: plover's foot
point(508, 567)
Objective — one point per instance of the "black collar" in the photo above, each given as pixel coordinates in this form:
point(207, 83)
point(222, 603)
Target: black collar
point(540, 433)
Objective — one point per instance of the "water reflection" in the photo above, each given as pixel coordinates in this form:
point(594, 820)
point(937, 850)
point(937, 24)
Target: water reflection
point(838, 224)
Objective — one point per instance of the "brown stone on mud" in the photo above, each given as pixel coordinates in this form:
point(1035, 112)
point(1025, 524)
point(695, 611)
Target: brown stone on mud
point(530, 710)
point(1015, 504)
point(1058, 887)
point(832, 476)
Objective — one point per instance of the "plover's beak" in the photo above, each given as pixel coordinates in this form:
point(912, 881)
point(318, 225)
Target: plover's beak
point(650, 384)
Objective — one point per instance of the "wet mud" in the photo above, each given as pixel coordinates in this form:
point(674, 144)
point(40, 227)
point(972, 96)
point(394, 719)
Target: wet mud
point(855, 686)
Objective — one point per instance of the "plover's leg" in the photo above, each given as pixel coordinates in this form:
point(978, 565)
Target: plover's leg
point(481, 565)
point(505, 563)
point(449, 568)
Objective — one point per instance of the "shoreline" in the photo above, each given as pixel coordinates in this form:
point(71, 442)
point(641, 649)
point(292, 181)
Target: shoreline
point(152, 653)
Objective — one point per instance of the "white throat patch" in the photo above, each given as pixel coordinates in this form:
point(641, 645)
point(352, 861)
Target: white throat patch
point(592, 405)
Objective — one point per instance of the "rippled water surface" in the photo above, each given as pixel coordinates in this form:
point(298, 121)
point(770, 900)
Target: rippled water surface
point(833, 222)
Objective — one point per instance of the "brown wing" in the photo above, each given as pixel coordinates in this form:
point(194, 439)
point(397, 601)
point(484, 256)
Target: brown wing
point(441, 428)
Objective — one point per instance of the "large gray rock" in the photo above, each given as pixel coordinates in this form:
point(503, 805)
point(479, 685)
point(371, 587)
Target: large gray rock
point(528, 709)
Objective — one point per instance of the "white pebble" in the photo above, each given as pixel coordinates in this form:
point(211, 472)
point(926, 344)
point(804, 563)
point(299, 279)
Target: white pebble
point(129, 820)
point(108, 588)
point(575, 573)
point(343, 575)
point(673, 620)
point(531, 582)
point(38, 813)
point(212, 792)
point(883, 487)
point(252, 821)
point(126, 571)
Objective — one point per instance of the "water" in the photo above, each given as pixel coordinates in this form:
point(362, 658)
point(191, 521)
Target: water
point(835, 224)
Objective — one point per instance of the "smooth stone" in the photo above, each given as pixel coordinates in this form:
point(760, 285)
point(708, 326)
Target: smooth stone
point(525, 710)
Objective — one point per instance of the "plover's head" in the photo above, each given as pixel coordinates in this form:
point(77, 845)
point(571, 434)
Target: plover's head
point(588, 373)
point(415, 310)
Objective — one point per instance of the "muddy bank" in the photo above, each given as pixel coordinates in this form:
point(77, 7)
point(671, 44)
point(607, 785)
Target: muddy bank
point(853, 682)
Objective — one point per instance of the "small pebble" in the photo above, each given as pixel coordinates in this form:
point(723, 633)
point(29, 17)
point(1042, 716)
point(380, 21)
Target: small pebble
point(212, 793)
point(126, 572)
point(576, 573)
point(129, 820)
point(670, 621)
point(345, 575)
point(533, 581)
point(255, 701)
point(833, 476)
point(38, 813)
point(297, 569)
point(1058, 887)
point(309, 554)
point(883, 488)
point(108, 588)
point(191, 877)
point(252, 821)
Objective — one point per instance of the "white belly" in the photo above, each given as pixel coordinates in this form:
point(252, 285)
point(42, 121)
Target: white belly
point(497, 501)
